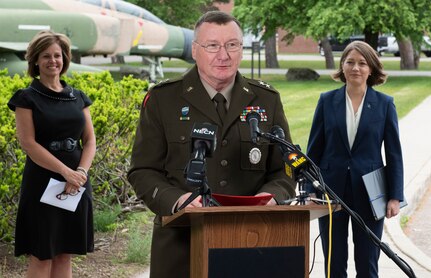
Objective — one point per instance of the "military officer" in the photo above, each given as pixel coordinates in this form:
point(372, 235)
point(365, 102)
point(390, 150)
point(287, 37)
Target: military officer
point(162, 144)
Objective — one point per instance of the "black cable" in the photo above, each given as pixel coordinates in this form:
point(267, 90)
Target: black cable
point(312, 173)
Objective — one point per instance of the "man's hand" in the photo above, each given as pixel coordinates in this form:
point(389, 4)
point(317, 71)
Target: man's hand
point(195, 203)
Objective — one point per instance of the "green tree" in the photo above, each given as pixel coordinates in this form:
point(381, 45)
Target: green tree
point(268, 16)
point(182, 13)
point(406, 19)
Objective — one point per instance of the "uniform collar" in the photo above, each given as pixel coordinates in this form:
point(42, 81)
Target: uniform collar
point(226, 92)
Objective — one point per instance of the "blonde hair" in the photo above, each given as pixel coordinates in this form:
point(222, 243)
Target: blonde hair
point(40, 42)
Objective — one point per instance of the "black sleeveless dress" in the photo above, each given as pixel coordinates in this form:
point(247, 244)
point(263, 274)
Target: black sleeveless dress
point(42, 230)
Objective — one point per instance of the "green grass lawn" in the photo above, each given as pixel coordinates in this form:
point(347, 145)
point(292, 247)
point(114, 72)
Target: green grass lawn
point(300, 98)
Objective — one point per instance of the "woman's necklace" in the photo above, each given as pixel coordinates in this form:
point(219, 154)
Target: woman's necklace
point(71, 95)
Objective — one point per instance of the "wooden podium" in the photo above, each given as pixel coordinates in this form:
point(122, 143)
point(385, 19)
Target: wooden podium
point(248, 241)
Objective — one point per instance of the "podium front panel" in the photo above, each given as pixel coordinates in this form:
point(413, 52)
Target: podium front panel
point(256, 262)
point(249, 231)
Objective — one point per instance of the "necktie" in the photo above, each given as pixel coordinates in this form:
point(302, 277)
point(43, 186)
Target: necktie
point(221, 105)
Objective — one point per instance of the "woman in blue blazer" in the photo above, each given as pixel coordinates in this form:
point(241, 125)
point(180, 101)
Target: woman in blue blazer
point(350, 126)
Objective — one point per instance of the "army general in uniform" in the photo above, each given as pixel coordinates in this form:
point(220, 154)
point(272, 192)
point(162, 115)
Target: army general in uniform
point(237, 167)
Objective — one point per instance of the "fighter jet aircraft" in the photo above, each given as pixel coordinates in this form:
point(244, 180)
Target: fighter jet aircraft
point(95, 27)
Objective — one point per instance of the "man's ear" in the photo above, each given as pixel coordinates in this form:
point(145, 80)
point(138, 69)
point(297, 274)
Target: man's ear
point(194, 50)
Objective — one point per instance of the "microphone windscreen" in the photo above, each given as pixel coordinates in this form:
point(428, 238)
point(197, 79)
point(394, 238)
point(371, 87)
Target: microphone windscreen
point(277, 131)
point(204, 132)
point(253, 115)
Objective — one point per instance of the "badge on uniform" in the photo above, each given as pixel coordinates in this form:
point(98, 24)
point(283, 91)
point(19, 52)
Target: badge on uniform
point(184, 112)
point(248, 109)
point(254, 155)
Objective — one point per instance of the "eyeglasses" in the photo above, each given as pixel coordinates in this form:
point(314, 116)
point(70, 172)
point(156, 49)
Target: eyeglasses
point(215, 47)
point(63, 195)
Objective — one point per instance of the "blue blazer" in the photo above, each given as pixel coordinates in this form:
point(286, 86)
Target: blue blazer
point(328, 145)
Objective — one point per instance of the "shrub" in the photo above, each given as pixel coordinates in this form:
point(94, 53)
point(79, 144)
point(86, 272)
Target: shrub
point(114, 112)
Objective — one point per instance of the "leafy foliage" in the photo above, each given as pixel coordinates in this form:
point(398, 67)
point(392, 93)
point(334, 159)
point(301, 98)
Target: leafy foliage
point(183, 13)
point(406, 19)
point(115, 112)
point(318, 19)
point(12, 158)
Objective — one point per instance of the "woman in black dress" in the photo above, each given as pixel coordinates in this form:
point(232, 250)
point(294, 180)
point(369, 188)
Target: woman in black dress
point(55, 130)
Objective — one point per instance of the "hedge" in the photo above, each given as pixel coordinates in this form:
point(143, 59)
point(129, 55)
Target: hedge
point(115, 112)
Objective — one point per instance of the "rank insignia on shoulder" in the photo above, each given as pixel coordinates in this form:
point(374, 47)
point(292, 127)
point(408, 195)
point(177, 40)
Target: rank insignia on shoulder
point(264, 84)
point(163, 81)
point(248, 109)
point(160, 83)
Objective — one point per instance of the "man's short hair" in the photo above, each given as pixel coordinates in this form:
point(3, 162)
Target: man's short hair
point(217, 17)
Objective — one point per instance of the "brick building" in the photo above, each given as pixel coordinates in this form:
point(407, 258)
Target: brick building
point(299, 45)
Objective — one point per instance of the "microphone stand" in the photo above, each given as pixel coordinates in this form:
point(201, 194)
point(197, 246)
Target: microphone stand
point(303, 196)
point(195, 175)
point(312, 174)
point(205, 192)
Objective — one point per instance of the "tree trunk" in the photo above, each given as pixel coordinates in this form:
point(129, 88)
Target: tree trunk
point(416, 58)
point(271, 61)
point(372, 39)
point(407, 61)
point(327, 50)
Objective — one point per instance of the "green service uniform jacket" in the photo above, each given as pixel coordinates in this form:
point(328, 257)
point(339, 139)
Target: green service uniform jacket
point(162, 149)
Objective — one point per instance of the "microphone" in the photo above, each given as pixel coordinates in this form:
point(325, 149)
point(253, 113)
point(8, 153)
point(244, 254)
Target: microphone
point(253, 119)
point(203, 143)
point(278, 132)
point(292, 154)
point(203, 139)
point(296, 160)
point(296, 163)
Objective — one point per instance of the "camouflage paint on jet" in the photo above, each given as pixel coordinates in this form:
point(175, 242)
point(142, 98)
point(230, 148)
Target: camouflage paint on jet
point(107, 27)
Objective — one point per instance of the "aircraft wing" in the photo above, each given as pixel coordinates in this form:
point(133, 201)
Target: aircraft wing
point(13, 46)
point(21, 47)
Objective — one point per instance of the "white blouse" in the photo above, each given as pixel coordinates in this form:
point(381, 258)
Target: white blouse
point(352, 119)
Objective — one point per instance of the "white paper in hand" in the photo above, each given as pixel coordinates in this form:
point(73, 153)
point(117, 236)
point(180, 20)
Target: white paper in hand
point(54, 188)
